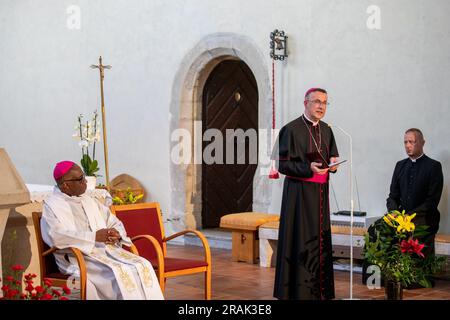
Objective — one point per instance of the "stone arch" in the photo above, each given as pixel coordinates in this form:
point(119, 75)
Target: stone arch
point(185, 109)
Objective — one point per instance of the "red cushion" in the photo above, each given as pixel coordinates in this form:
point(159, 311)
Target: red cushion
point(173, 264)
point(143, 221)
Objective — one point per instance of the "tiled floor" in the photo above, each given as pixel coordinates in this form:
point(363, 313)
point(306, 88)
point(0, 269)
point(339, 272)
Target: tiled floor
point(242, 281)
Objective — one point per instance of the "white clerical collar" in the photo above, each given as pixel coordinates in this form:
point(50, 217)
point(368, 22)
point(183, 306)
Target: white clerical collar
point(313, 123)
point(414, 160)
point(66, 196)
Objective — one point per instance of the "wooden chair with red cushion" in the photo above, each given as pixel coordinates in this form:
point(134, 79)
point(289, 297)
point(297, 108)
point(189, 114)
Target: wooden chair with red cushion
point(47, 263)
point(49, 268)
point(144, 226)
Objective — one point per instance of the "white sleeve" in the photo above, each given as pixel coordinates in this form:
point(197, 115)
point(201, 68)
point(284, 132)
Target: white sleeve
point(55, 234)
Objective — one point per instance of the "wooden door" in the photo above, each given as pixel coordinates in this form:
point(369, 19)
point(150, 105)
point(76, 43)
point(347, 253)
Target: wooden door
point(230, 101)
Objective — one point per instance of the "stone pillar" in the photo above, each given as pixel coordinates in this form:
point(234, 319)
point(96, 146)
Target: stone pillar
point(4, 213)
point(13, 193)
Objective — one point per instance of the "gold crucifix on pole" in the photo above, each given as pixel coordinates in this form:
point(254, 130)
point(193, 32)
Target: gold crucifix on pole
point(101, 68)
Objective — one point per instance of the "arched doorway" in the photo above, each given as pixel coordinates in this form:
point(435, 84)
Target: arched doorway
point(185, 203)
point(229, 108)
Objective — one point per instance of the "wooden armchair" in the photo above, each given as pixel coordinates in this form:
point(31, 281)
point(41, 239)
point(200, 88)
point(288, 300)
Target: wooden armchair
point(47, 263)
point(144, 226)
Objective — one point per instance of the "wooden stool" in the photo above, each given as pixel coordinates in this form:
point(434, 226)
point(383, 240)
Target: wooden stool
point(244, 227)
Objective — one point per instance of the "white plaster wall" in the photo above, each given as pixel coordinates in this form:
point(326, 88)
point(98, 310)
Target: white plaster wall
point(380, 82)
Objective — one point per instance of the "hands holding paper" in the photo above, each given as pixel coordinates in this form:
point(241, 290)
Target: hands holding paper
point(316, 166)
point(334, 160)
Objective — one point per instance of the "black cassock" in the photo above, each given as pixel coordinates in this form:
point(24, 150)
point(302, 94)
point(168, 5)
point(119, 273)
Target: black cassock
point(304, 268)
point(416, 187)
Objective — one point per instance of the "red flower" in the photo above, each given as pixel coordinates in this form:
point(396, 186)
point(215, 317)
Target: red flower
point(12, 293)
point(405, 246)
point(17, 267)
point(412, 246)
point(14, 290)
point(39, 289)
point(66, 289)
point(56, 292)
point(30, 276)
point(46, 296)
point(29, 287)
point(48, 282)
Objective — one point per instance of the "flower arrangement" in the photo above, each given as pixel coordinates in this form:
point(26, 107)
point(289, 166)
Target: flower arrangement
point(88, 134)
point(12, 287)
point(127, 197)
point(396, 250)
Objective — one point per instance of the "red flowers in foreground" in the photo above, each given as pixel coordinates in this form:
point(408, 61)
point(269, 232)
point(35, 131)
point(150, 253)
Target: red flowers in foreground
point(12, 289)
point(17, 267)
point(412, 246)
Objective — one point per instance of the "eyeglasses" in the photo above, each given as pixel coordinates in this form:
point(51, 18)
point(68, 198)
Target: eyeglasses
point(324, 103)
point(76, 179)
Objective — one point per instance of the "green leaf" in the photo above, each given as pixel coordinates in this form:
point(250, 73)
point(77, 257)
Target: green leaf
point(425, 283)
point(90, 167)
point(421, 233)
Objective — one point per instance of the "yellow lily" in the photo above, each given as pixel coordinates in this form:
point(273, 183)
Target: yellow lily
point(388, 219)
point(404, 223)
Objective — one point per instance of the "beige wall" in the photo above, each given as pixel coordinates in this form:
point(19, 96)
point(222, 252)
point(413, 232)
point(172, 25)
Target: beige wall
point(19, 240)
point(381, 82)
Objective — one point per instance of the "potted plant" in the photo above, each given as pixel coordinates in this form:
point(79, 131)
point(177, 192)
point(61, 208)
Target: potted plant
point(396, 250)
point(88, 134)
point(129, 196)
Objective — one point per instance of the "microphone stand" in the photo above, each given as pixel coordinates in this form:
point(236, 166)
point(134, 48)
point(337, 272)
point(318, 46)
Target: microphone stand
point(351, 207)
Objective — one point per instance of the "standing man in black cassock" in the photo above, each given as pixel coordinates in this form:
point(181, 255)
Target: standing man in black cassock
point(306, 146)
point(416, 187)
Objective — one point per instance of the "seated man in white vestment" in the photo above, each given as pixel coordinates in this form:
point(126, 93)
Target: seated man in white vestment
point(72, 218)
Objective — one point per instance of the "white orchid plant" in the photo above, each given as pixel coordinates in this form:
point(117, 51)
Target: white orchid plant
point(88, 134)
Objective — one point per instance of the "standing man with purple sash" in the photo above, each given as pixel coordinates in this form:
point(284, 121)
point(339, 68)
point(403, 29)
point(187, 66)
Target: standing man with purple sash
point(306, 146)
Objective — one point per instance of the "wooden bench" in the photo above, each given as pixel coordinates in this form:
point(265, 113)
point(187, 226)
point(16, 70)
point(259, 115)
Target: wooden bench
point(268, 238)
point(442, 244)
point(244, 228)
point(340, 239)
